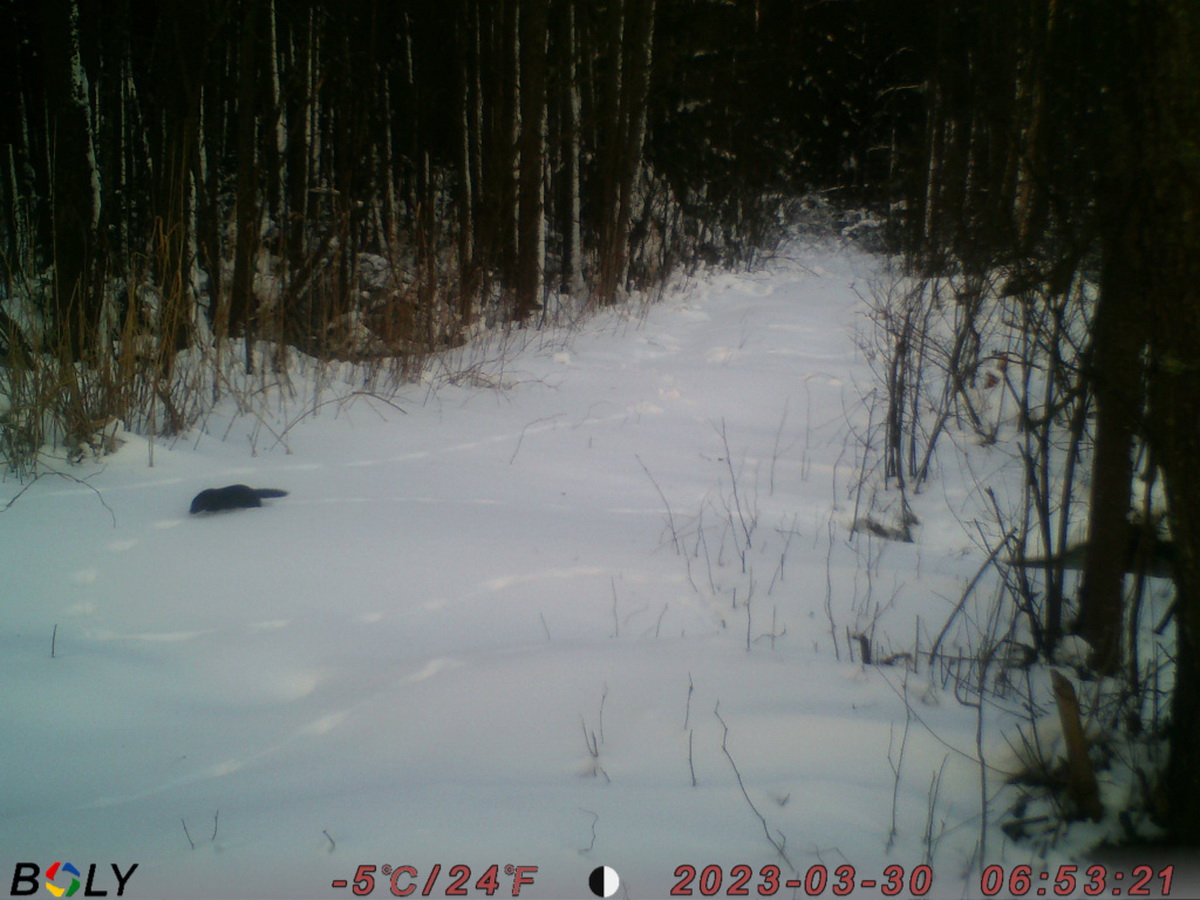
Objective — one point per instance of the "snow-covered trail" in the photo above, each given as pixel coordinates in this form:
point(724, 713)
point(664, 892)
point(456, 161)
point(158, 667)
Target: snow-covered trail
point(467, 637)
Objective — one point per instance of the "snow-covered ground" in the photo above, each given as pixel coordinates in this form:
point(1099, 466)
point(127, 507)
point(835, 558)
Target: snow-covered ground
point(586, 605)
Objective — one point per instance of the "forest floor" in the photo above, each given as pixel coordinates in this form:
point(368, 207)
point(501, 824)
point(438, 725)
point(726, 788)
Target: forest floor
point(575, 598)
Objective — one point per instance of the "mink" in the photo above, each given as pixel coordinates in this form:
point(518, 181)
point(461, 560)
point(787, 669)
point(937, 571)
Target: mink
point(234, 496)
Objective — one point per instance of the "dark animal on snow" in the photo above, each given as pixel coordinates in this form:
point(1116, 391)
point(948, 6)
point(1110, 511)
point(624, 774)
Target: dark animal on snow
point(234, 496)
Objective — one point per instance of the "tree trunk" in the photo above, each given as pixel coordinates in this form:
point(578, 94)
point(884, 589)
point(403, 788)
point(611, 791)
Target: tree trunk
point(573, 249)
point(637, 89)
point(241, 303)
point(1117, 380)
point(531, 190)
point(180, 199)
point(500, 232)
point(75, 181)
point(609, 146)
point(466, 38)
point(1166, 142)
point(298, 110)
point(633, 33)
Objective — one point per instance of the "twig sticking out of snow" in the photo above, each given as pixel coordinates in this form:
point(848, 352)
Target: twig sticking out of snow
point(778, 843)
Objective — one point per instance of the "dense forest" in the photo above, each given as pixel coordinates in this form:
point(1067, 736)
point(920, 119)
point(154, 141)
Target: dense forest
point(368, 179)
point(1061, 167)
point(491, 153)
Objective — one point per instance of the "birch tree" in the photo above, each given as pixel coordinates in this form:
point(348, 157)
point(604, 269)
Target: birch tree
point(530, 186)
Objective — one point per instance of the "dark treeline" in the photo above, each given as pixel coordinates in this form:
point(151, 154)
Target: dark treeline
point(491, 152)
